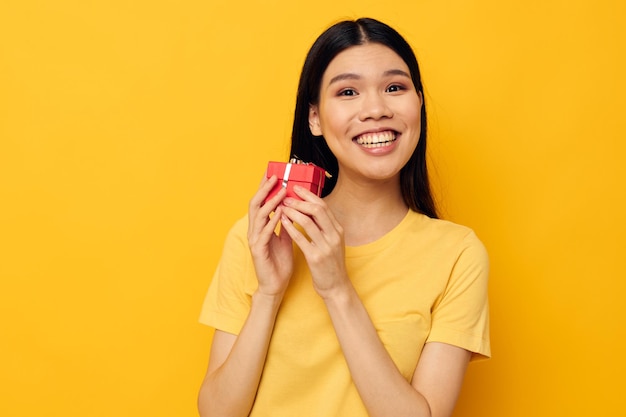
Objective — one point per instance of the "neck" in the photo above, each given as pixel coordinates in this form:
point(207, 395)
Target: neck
point(367, 212)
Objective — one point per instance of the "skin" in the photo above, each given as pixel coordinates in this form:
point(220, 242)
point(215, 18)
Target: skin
point(365, 90)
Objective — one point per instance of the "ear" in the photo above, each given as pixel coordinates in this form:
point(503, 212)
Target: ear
point(314, 120)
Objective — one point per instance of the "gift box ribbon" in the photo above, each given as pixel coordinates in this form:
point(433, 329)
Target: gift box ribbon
point(286, 175)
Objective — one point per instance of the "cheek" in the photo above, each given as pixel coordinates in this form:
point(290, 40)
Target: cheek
point(334, 121)
point(418, 122)
point(415, 104)
point(413, 117)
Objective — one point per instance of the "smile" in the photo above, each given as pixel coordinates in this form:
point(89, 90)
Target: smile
point(376, 139)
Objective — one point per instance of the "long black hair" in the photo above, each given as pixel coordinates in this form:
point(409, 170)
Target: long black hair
point(414, 181)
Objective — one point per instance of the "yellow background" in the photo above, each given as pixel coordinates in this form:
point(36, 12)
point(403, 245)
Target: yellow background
point(132, 134)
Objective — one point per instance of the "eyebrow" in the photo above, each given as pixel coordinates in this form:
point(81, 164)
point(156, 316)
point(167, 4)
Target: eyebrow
point(353, 76)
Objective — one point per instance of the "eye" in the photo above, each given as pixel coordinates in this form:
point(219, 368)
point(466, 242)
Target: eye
point(348, 92)
point(394, 88)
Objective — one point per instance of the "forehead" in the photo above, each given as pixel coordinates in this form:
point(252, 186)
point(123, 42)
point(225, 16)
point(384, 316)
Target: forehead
point(370, 59)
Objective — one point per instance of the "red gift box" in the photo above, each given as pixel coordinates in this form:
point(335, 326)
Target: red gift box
point(306, 175)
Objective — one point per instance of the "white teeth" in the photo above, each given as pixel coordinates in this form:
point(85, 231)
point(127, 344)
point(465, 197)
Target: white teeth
point(376, 140)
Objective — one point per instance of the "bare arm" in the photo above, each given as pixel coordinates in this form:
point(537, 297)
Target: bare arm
point(384, 391)
point(436, 382)
point(236, 362)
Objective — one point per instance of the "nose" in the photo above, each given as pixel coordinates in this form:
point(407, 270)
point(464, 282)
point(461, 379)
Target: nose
point(374, 106)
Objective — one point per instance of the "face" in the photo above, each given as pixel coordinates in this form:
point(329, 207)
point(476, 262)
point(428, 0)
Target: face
point(368, 112)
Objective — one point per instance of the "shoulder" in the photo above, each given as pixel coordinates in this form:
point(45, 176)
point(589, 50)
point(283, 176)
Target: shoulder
point(445, 242)
point(240, 226)
point(441, 232)
point(237, 236)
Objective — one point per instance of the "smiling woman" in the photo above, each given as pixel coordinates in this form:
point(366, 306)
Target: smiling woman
point(335, 305)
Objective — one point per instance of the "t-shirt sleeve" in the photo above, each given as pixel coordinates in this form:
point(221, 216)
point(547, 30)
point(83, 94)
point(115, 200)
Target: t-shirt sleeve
point(227, 302)
point(460, 316)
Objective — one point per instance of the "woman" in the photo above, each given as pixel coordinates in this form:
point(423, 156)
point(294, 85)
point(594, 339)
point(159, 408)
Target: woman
point(363, 303)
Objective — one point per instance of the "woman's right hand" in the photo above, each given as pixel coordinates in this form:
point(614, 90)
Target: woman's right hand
point(272, 253)
point(236, 362)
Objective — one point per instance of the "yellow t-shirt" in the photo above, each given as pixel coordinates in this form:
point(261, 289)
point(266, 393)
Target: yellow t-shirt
point(424, 281)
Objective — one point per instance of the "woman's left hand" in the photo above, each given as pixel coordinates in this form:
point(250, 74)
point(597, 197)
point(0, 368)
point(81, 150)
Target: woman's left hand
point(324, 249)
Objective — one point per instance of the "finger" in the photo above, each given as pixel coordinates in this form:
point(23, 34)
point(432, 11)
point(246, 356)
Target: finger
point(315, 234)
point(305, 194)
point(316, 210)
point(295, 235)
point(269, 230)
point(283, 235)
point(259, 214)
point(264, 218)
point(309, 196)
point(270, 205)
point(266, 207)
point(267, 184)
